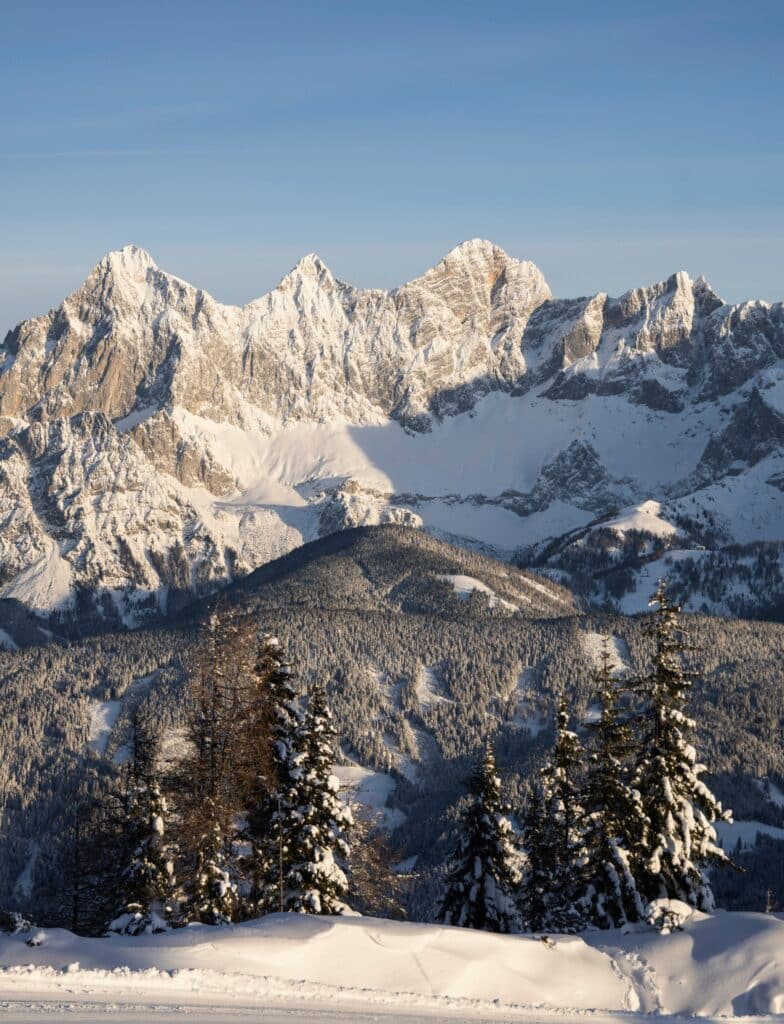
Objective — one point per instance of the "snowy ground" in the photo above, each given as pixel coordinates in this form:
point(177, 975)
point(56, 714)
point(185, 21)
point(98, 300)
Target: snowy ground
point(286, 967)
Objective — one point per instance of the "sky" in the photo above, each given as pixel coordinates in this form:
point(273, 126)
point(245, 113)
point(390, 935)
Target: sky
point(610, 143)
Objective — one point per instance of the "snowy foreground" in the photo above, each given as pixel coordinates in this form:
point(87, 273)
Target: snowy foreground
point(728, 964)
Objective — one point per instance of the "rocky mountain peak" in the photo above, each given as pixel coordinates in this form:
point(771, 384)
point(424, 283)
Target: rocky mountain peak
point(310, 268)
point(131, 261)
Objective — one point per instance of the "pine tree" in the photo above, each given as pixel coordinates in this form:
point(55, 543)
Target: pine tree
point(538, 847)
point(148, 881)
point(480, 887)
point(211, 896)
point(679, 808)
point(614, 818)
point(273, 825)
point(564, 821)
point(316, 882)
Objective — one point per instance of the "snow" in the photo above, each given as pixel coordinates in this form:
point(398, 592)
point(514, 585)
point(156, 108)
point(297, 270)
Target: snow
point(525, 717)
point(429, 687)
point(103, 716)
point(465, 585)
point(746, 831)
point(546, 591)
point(284, 468)
point(646, 518)
point(44, 584)
point(744, 505)
point(372, 790)
point(24, 883)
point(771, 791)
point(133, 419)
point(636, 600)
point(593, 645)
point(720, 965)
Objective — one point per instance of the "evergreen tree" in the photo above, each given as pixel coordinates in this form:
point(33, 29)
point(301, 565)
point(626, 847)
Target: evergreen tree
point(148, 881)
point(614, 819)
point(678, 807)
point(316, 882)
point(210, 897)
point(564, 821)
point(480, 886)
point(537, 843)
point(273, 821)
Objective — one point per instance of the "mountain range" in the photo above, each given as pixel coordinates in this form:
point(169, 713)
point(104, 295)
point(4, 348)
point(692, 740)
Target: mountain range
point(156, 444)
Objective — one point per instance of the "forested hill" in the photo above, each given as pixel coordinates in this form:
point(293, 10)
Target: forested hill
point(426, 650)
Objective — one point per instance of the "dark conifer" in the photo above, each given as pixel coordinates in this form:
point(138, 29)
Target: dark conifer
point(481, 884)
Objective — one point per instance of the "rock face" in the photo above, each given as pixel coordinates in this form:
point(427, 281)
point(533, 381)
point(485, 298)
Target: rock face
point(154, 441)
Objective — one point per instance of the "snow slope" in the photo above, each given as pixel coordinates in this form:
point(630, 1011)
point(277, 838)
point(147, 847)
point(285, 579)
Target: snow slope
point(103, 718)
point(721, 965)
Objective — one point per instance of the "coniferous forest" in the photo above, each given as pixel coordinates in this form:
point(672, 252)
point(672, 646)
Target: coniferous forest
point(587, 798)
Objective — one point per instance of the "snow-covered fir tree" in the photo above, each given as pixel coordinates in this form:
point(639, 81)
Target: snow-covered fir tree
point(147, 884)
point(614, 819)
point(562, 829)
point(319, 826)
point(210, 897)
point(480, 888)
point(273, 824)
point(679, 809)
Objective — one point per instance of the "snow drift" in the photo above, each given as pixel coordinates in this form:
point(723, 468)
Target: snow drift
point(727, 964)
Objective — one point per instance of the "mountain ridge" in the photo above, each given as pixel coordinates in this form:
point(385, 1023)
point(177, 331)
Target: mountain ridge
point(158, 440)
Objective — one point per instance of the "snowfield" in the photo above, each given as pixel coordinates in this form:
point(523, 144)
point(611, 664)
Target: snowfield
point(722, 965)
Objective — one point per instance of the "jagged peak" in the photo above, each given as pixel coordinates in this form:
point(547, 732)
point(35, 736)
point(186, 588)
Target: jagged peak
point(473, 247)
point(480, 251)
point(131, 260)
point(310, 268)
point(479, 256)
point(703, 286)
point(681, 280)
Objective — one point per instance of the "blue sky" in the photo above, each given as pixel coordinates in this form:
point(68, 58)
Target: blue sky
point(611, 143)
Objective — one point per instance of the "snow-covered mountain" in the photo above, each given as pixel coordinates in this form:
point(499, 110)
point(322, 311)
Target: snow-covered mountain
point(154, 442)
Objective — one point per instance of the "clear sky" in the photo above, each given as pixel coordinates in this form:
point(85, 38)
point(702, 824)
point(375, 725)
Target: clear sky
point(611, 143)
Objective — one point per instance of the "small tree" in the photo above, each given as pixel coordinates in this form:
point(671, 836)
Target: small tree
point(226, 728)
point(147, 883)
point(480, 887)
point(540, 863)
point(316, 882)
point(272, 821)
point(211, 896)
point(614, 817)
point(679, 808)
point(375, 888)
point(562, 780)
